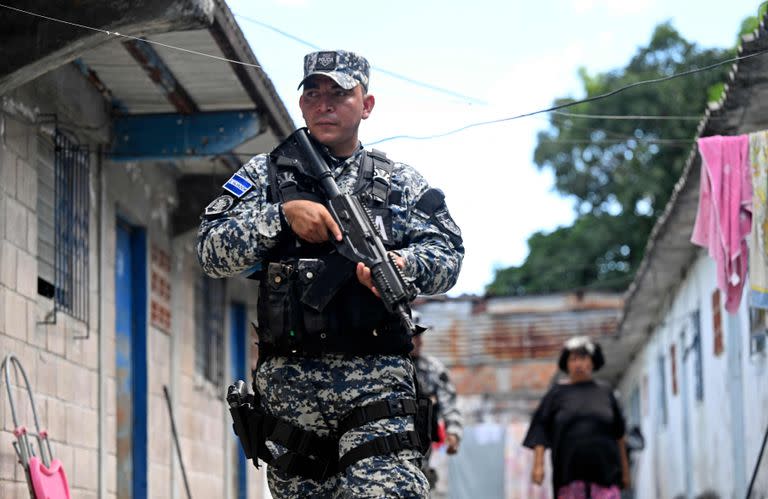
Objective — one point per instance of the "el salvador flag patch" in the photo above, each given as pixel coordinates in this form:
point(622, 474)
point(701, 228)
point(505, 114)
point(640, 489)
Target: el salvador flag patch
point(238, 185)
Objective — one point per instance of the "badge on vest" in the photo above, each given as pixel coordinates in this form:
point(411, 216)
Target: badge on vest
point(238, 185)
point(218, 206)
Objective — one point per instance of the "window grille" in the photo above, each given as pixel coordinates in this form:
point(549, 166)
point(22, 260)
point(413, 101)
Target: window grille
point(63, 224)
point(698, 361)
point(662, 391)
point(209, 327)
point(758, 329)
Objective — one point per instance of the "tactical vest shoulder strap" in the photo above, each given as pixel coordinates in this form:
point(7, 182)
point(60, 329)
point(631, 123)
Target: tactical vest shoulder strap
point(376, 175)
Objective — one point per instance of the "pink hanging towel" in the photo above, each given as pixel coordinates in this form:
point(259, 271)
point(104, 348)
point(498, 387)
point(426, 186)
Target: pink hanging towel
point(724, 217)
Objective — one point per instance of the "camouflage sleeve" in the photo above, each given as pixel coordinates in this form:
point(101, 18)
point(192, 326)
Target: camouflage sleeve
point(433, 249)
point(237, 231)
point(446, 395)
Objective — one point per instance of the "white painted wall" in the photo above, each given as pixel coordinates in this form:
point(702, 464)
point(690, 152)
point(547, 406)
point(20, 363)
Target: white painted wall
point(660, 469)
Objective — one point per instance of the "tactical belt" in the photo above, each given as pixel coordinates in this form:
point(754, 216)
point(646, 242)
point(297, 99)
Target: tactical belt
point(314, 457)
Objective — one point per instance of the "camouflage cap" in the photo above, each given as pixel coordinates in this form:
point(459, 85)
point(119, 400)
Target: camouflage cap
point(345, 68)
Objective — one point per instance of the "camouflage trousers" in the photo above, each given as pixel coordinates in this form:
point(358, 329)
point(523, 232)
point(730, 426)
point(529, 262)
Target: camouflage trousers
point(315, 393)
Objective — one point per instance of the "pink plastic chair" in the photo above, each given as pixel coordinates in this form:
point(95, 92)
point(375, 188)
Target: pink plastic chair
point(48, 482)
point(45, 475)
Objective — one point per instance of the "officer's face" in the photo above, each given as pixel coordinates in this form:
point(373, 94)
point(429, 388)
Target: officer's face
point(333, 114)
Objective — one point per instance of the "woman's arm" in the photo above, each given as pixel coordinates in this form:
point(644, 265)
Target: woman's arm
point(537, 475)
point(625, 480)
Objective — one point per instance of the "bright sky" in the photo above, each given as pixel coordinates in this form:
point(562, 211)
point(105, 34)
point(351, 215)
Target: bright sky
point(507, 57)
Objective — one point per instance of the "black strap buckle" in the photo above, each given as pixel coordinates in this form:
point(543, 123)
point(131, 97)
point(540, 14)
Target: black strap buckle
point(408, 440)
point(396, 406)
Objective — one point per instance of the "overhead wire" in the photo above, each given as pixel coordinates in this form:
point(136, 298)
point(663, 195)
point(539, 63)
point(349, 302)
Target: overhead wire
point(575, 102)
point(555, 108)
point(628, 117)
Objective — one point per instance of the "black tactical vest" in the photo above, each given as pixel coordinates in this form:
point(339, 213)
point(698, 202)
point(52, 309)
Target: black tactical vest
point(310, 300)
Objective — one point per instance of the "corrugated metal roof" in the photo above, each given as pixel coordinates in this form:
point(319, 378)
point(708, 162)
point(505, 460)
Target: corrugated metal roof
point(496, 331)
point(127, 82)
point(210, 82)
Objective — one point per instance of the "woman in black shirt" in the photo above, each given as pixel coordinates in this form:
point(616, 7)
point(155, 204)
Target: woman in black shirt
point(581, 422)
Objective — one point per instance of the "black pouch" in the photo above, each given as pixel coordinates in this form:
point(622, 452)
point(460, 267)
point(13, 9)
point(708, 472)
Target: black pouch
point(309, 275)
point(423, 421)
point(276, 311)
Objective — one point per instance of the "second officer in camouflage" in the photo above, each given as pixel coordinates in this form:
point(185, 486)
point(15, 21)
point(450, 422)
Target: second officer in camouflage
point(334, 378)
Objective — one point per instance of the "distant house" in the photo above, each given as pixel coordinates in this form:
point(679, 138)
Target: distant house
point(502, 352)
point(110, 148)
point(692, 376)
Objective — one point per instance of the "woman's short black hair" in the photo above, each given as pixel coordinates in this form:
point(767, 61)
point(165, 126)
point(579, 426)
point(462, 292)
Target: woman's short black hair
point(582, 345)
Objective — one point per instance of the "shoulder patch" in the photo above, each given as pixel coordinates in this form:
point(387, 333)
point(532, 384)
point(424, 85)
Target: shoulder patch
point(219, 205)
point(238, 185)
point(445, 220)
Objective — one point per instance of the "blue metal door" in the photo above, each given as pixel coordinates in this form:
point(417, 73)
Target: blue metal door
point(131, 361)
point(238, 371)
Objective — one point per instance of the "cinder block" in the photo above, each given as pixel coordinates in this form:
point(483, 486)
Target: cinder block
point(14, 490)
point(57, 419)
point(7, 171)
point(111, 435)
point(74, 341)
point(26, 184)
point(75, 428)
point(32, 233)
point(15, 315)
point(111, 397)
point(2, 313)
point(90, 425)
point(64, 382)
point(26, 275)
point(81, 379)
point(17, 136)
point(111, 475)
point(8, 462)
point(8, 265)
point(15, 222)
point(56, 336)
point(65, 453)
point(84, 471)
point(90, 348)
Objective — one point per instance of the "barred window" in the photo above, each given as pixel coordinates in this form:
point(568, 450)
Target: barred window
point(662, 390)
point(209, 328)
point(63, 210)
point(758, 329)
point(698, 361)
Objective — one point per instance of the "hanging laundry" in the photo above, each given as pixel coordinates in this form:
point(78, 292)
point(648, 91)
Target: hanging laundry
point(758, 241)
point(724, 217)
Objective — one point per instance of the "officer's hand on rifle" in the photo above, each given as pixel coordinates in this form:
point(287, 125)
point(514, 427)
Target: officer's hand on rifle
point(364, 273)
point(311, 221)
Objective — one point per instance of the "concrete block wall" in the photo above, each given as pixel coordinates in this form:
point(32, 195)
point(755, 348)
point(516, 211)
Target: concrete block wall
point(62, 359)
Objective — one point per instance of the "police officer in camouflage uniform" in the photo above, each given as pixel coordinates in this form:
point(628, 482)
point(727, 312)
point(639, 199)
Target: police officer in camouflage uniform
point(434, 381)
point(337, 376)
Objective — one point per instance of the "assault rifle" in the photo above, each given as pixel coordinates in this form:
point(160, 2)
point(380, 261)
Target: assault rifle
point(361, 241)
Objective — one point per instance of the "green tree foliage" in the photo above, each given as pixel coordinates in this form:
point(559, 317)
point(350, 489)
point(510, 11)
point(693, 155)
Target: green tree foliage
point(620, 173)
